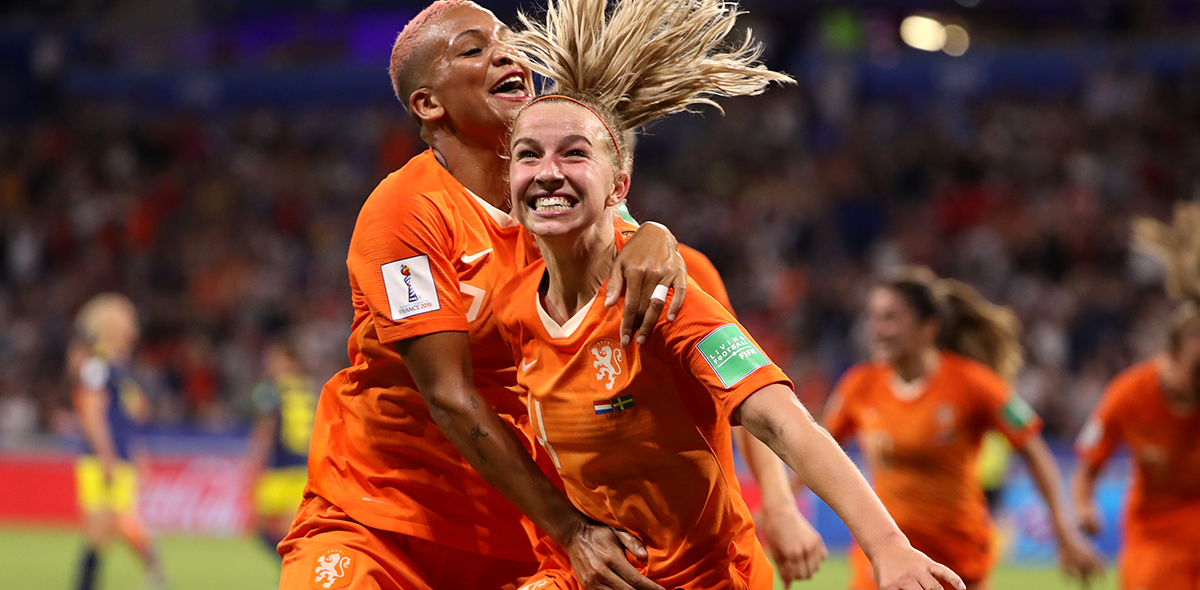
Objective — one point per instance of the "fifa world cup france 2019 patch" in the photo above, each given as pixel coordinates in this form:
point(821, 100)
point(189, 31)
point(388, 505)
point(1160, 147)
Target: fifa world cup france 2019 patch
point(616, 404)
point(1017, 414)
point(410, 287)
point(731, 354)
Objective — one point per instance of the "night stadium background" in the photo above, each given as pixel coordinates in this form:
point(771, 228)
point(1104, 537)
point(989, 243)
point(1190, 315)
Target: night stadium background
point(208, 158)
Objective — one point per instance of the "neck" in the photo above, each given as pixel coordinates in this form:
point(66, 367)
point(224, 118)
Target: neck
point(477, 165)
point(1176, 384)
point(577, 266)
point(917, 366)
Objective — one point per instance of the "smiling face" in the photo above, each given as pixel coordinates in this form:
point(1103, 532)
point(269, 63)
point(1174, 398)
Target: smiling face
point(471, 79)
point(563, 174)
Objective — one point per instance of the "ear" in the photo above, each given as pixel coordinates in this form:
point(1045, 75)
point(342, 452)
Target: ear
point(424, 105)
point(620, 190)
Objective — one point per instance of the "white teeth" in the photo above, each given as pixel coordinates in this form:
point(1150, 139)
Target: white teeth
point(511, 79)
point(552, 204)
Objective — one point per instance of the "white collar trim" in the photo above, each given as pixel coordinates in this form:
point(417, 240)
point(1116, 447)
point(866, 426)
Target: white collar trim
point(565, 330)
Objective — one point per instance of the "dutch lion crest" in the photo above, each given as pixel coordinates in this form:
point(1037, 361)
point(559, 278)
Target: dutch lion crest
point(607, 357)
point(331, 567)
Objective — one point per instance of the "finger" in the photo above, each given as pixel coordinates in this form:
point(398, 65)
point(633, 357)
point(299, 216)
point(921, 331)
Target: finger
point(650, 319)
point(616, 283)
point(814, 560)
point(634, 305)
point(944, 573)
point(680, 286)
point(629, 578)
point(632, 544)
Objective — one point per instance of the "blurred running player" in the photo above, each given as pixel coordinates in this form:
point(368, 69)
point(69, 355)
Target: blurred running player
point(942, 360)
point(641, 436)
point(394, 501)
point(1154, 409)
point(110, 405)
point(278, 450)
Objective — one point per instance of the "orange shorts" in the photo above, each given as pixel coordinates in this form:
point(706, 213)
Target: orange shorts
point(1151, 565)
point(972, 562)
point(327, 550)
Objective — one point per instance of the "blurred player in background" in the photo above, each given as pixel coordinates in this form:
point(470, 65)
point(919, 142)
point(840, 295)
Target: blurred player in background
point(109, 405)
point(794, 544)
point(943, 358)
point(278, 450)
point(1154, 409)
point(393, 500)
point(641, 436)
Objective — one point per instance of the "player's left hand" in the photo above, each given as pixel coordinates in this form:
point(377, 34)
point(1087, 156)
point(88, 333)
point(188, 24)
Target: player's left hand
point(903, 568)
point(795, 545)
point(597, 554)
point(1079, 558)
point(650, 258)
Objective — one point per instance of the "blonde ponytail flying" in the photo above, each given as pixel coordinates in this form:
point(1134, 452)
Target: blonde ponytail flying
point(1177, 247)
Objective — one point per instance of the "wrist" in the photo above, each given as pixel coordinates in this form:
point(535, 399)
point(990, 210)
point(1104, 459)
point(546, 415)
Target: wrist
point(879, 544)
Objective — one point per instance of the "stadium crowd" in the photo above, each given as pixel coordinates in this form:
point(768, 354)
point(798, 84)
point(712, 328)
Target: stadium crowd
point(228, 227)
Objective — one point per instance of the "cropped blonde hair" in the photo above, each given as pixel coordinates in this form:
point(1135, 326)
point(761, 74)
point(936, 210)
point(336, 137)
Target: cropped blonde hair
point(1177, 247)
point(642, 59)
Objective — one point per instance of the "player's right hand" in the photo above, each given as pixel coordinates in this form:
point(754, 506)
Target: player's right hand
point(905, 568)
point(597, 554)
point(796, 546)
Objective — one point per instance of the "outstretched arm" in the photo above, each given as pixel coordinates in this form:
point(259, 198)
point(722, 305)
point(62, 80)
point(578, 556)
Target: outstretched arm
point(775, 416)
point(440, 364)
point(649, 258)
point(796, 546)
point(1077, 556)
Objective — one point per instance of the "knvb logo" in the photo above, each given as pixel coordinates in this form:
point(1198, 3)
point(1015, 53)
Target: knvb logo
point(331, 567)
point(412, 293)
point(607, 358)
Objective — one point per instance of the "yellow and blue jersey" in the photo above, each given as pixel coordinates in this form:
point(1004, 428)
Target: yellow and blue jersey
point(293, 401)
point(127, 402)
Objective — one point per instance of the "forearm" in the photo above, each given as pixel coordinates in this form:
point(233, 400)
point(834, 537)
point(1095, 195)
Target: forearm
point(790, 431)
point(1083, 485)
point(494, 450)
point(768, 470)
point(1044, 470)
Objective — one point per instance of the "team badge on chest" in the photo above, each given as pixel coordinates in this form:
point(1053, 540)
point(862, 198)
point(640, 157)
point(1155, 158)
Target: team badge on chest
point(608, 362)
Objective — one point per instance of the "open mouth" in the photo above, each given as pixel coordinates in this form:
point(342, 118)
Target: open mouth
point(552, 203)
point(511, 86)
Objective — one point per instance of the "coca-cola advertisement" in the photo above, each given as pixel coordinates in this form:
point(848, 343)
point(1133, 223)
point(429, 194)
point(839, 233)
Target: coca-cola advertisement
point(201, 494)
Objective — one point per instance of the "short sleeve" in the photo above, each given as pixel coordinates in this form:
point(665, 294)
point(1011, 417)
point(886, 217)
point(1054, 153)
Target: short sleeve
point(1004, 409)
point(402, 259)
point(93, 374)
point(1102, 432)
point(718, 351)
point(839, 416)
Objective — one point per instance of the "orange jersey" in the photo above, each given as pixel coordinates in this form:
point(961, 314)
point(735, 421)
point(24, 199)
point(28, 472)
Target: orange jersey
point(1164, 500)
point(923, 450)
point(701, 270)
point(641, 436)
point(426, 256)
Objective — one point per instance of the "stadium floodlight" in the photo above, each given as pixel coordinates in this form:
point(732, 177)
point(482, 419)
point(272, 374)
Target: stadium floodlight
point(924, 33)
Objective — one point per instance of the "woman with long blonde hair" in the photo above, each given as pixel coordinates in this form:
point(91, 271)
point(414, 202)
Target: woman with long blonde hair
point(942, 360)
point(641, 435)
point(1153, 407)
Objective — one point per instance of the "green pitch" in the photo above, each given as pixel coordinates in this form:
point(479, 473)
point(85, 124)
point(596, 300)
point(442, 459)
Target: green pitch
point(46, 559)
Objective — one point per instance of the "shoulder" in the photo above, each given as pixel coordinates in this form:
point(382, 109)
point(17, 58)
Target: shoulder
point(515, 295)
point(94, 373)
point(860, 378)
point(421, 187)
point(1133, 383)
point(973, 375)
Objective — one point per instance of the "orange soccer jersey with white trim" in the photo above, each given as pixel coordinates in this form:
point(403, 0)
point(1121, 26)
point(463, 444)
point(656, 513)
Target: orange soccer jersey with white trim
point(922, 450)
point(1164, 500)
point(641, 436)
point(426, 256)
